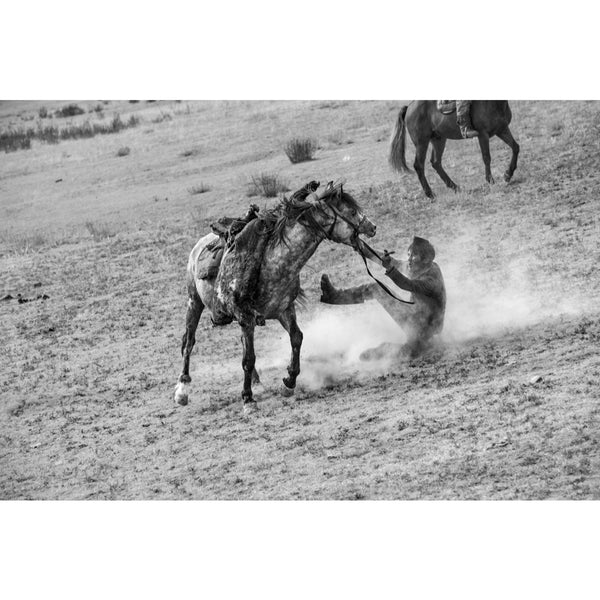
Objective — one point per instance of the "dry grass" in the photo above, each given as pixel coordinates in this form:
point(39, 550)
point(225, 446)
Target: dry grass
point(99, 231)
point(87, 376)
point(202, 188)
point(20, 139)
point(268, 185)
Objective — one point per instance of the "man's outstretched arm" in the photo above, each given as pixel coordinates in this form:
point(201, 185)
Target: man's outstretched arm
point(418, 286)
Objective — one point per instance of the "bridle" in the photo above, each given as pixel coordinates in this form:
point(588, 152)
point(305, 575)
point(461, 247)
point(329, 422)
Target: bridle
point(337, 214)
point(356, 243)
point(359, 248)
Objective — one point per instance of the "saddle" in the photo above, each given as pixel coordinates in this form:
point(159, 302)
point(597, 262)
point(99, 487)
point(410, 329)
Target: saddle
point(227, 228)
point(446, 107)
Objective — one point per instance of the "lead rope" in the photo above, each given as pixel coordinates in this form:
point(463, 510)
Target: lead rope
point(359, 250)
point(381, 284)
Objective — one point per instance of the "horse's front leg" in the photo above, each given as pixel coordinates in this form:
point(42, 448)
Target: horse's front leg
point(290, 324)
point(484, 144)
point(194, 311)
point(248, 362)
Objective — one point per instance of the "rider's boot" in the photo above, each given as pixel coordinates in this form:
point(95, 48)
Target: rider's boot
point(463, 118)
point(353, 295)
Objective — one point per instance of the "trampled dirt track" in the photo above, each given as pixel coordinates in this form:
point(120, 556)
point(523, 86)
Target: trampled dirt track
point(507, 407)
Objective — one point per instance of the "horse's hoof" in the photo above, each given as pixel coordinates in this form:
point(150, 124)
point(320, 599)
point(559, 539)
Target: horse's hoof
point(250, 407)
point(286, 391)
point(182, 394)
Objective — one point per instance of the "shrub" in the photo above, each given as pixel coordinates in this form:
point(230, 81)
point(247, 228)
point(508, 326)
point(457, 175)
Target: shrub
point(266, 184)
point(25, 243)
point(71, 110)
point(20, 139)
point(124, 151)
point(99, 231)
point(191, 152)
point(339, 138)
point(43, 112)
point(162, 117)
point(15, 139)
point(300, 149)
point(48, 134)
point(199, 189)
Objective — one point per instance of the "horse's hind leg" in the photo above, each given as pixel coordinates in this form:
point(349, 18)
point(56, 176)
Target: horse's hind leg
point(437, 151)
point(484, 144)
point(420, 157)
point(194, 311)
point(507, 138)
point(290, 324)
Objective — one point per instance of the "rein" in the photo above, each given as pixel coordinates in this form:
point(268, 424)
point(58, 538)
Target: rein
point(358, 246)
point(380, 283)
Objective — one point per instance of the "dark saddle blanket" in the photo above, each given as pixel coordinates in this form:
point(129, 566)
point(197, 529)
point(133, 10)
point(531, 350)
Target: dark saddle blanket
point(227, 228)
point(446, 107)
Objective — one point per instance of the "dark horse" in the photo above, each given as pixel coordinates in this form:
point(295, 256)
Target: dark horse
point(426, 124)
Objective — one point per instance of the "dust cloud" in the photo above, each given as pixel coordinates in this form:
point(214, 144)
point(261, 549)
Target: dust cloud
point(489, 292)
point(334, 339)
point(495, 290)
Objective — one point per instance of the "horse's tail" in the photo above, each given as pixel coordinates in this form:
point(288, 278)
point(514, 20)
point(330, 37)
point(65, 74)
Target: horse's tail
point(396, 157)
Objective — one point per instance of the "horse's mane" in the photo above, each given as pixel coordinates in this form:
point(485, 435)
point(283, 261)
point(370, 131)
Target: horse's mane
point(296, 209)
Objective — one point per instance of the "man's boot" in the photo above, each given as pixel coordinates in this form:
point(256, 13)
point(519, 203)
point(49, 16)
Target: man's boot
point(354, 295)
point(463, 118)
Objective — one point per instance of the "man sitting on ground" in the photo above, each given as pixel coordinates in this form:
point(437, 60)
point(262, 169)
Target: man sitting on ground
point(421, 320)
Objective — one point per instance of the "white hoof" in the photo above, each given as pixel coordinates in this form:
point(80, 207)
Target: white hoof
point(250, 407)
point(285, 391)
point(182, 393)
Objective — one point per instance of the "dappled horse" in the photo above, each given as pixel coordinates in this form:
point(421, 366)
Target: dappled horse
point(294, 230)
point(427, 125)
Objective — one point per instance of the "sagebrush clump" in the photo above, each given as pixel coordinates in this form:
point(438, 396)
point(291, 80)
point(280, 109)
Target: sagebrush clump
point(266, 184)
point(300, 149)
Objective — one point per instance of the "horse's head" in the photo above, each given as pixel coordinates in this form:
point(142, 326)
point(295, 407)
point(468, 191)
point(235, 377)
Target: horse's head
point(339, 216)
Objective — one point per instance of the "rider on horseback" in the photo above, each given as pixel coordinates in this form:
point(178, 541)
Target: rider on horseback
point(463, 118)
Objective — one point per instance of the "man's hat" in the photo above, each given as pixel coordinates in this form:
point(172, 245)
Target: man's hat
point(423, 247)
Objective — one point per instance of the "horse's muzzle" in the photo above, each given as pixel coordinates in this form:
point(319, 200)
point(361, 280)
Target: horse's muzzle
point(368, 228)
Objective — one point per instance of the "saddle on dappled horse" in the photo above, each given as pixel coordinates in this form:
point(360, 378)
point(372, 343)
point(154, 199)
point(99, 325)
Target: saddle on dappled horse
point(227, 228)
point(446, 107)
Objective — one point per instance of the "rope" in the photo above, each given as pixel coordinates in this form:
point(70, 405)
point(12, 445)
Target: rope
point(359, 245)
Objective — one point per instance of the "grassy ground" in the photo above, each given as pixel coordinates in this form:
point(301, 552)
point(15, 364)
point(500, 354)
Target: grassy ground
point(506, 408)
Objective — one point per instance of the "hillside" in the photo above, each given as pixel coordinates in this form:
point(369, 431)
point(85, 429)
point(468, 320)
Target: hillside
point(507, 407)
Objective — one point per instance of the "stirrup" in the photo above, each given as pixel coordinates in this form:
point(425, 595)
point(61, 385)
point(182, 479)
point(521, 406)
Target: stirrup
point(468, 133)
